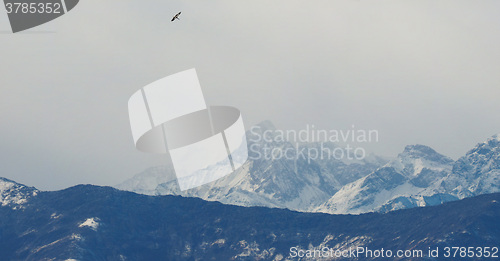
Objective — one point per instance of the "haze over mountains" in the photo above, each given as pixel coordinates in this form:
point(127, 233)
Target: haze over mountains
point(419, 176)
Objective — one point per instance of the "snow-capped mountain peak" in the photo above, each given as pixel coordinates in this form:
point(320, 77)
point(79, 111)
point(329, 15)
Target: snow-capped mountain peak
point(478, 172)
point(410, 174)
point(13, 194)
point(416, 158)
point(424, 152)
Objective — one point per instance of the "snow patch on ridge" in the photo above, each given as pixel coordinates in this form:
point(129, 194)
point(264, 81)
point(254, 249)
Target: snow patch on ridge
point(91, 223)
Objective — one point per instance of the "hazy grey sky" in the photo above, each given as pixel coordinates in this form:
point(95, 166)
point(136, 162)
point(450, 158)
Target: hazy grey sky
point(418, 71)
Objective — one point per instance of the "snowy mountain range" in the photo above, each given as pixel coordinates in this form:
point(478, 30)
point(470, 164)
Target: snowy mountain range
point(88, 222)
point(419, 176)
point(299, 184)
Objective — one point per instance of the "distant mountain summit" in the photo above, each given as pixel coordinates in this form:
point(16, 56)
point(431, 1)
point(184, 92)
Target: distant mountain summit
point(478, 172)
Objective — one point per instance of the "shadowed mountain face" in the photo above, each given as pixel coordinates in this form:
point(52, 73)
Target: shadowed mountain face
point(101, 223)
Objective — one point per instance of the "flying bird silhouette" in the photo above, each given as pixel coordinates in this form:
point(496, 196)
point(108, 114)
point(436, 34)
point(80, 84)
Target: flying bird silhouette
point(176, 17)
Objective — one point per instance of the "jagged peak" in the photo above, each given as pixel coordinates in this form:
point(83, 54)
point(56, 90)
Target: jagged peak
point(418, 148)
point(8, 183)
point(6, 180)
point(495, 137)
point(492, 144)
point(14, 194)
point(492, 141)
point(424, 152)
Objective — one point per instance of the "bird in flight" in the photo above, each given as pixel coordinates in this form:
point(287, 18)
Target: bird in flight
point(176, 17)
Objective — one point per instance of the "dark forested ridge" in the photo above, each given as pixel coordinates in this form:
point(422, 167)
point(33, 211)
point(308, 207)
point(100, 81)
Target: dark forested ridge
point(100, 223)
